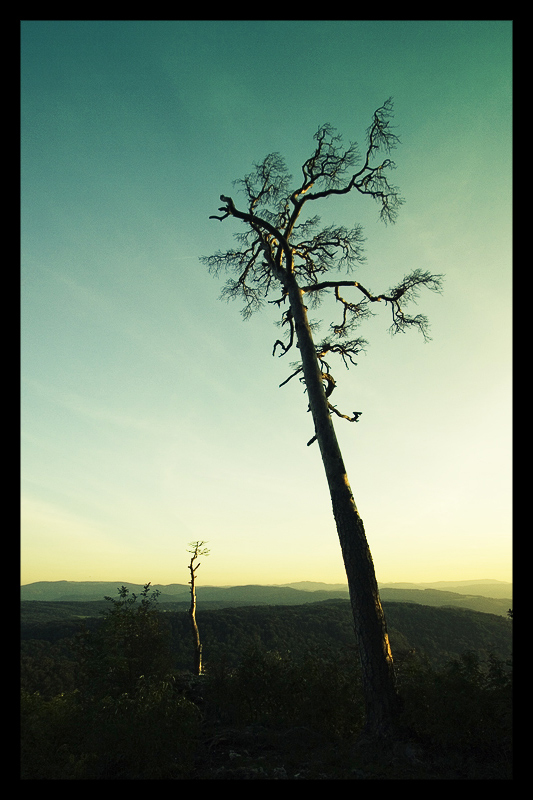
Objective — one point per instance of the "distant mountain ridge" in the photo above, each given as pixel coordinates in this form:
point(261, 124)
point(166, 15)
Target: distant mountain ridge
point(88, 590)
point(486, 587)
point(493, 597)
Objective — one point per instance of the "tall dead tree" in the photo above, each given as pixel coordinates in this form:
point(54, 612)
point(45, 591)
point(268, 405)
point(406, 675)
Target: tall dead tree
point(284, 251)
point(197, 550)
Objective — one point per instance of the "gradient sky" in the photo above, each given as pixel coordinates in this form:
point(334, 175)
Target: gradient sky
point(151, 413)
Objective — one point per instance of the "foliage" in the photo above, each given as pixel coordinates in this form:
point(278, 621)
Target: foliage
point(316, 689)
point(283, 680)
point(464, 707)
point(150, 733)
point(131, 643)
point(446, 633)
point(456, 718)
point(49, 732)
point(125, 719)
point(50, 668)
point(51, 664)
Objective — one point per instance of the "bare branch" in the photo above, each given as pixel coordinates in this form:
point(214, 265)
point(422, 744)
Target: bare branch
point(329, 166)
point(408, 289)
point(333, 409)
point(287, 317)
point(268, 182)
point(298, 369)
point(400, 323)
point(198, 549)
point(346, 350)
point(329, 163)
point(277, 248)
point(379, 134)
point(376, 184)
point(333, 246)
point(353, 314)
point(354, 418)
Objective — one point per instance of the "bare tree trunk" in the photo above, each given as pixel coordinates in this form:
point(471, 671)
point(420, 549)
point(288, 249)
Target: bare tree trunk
point(267, 256)
point(379, 686)
point(195, 631)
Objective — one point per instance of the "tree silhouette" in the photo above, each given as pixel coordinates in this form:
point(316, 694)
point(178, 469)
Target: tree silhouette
point(284, 252)
point(197, 550)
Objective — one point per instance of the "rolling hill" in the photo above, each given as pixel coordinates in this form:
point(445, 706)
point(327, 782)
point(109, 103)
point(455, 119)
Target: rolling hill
point(491, 597)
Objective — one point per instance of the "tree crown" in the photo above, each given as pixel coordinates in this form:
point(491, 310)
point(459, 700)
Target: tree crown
point(279, 247)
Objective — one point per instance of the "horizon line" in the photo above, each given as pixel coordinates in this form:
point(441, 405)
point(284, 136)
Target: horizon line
point(288, 583)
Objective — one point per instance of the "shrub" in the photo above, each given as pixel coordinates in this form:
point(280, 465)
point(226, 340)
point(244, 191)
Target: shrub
point(130, 642)
point(149, 734)
point(462, 708)
point(49, 736)
point(126, 720)
point(316, 690)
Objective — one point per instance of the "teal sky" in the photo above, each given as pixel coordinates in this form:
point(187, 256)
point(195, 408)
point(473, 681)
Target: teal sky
point(151, 413)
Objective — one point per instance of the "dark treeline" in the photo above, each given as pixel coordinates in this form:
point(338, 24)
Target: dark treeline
point(269, 671)
point(437, 633)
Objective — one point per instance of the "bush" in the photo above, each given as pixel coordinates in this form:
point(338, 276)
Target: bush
point(49, 736)
point(126, 720)
point(462, 708)
point(151, 734)
point(321, 692)
point(130, 643)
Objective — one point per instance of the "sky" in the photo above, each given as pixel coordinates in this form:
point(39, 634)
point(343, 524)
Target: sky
point(151, 413)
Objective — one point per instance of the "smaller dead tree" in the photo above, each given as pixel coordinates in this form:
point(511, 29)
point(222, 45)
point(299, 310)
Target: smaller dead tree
point(197, 550)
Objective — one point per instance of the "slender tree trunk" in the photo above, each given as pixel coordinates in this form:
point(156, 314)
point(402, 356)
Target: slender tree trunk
point(379, 686)
point(195, 631)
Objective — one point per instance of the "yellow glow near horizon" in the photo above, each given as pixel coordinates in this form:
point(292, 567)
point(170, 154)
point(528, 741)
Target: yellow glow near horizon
point(151, 413)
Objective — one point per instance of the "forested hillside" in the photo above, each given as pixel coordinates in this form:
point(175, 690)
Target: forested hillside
point(438, 633)
point(280, 696)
